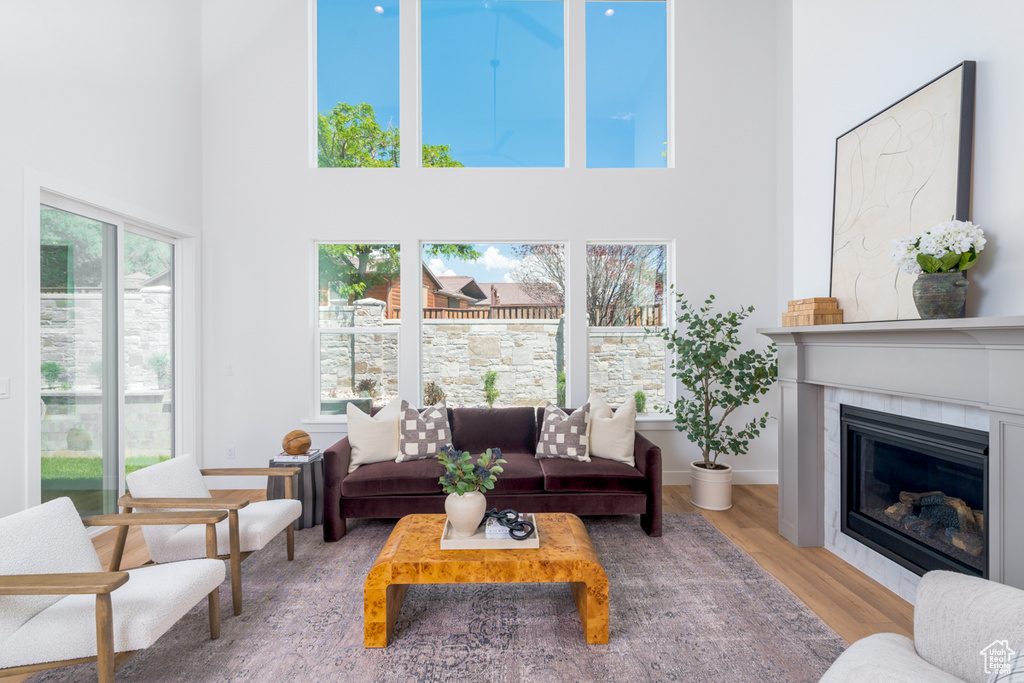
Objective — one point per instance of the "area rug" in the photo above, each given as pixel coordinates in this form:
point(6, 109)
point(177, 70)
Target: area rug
point(689, 606)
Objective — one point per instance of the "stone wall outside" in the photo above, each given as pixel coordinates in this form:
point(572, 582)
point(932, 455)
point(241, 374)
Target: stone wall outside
point(527, 355)
point(71, 335)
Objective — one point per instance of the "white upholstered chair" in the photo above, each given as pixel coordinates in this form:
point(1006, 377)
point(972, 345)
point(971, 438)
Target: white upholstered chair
point(58, 607)
point(178, 484)
point(957, 618)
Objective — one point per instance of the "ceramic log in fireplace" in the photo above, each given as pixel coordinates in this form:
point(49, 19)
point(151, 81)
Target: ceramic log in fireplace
point(915, 491)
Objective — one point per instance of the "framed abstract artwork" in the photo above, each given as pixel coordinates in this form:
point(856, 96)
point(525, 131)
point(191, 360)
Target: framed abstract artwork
point(899, 173)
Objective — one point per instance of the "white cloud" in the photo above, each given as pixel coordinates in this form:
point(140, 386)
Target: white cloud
point(438, 268)
point(624, 117)
point(495, 260)
point(509, 278)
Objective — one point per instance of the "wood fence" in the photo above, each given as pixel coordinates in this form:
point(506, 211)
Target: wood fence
point(641, 316)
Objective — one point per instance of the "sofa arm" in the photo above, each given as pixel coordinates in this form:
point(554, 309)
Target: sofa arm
point(336, 460)
point(957, 616)
point(647, 457)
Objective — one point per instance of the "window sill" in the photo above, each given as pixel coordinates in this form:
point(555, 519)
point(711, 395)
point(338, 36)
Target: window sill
point(655, 422)
point(652, 422)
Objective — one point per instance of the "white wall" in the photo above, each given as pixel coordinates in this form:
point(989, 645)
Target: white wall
point(104, 96)
point(851, 60)
point(263, 206)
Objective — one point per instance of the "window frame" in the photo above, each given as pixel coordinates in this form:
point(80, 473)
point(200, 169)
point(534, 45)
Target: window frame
point(574, 85)
point(667, 315)
point(42, 189)
point(319, 330)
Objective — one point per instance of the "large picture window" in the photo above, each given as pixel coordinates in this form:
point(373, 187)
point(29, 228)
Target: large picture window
point(357, 83)
point(627, 84)
point(358, 311)
point(493, 81)
point(626, 297)
point(494, 326)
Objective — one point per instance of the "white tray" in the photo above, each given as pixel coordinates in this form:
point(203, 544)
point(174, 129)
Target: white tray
point(479, 540)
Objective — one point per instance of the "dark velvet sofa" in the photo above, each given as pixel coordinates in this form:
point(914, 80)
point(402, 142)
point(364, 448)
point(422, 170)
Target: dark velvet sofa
point(394, 489)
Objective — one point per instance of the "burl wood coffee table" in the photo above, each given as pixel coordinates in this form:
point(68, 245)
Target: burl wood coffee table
point(413, 554)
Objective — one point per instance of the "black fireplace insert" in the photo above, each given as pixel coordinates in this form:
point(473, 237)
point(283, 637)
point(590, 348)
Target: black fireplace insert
point(915, 491)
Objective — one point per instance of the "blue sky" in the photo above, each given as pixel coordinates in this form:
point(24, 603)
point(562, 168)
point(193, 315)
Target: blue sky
point(494, 265)
point(493, 76)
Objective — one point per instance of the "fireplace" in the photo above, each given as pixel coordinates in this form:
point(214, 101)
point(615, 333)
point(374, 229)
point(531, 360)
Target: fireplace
point(915, 491)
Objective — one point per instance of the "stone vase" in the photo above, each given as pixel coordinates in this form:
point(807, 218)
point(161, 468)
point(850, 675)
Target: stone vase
point(710, 489)
point(465, 511)
point(941, 295)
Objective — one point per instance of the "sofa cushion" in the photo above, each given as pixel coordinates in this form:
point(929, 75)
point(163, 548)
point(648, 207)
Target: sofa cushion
point(373, 438)
point(612, 434)
point(416, 477)
point(423, 434)
point(521, 474)
point(563, 435)
point(513, 430)
point(597, 475)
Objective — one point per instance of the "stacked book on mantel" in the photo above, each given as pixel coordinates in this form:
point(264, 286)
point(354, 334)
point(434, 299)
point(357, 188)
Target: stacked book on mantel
point(822, 310)
point(309, 456)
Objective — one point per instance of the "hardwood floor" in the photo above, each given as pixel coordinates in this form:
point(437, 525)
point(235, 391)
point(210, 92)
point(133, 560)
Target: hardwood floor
point(847, 600)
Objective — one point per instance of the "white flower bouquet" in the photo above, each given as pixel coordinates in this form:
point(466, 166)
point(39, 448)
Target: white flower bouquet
point(944, 248)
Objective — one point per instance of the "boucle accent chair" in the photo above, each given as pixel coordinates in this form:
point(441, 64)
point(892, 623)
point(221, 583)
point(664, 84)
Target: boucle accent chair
point(177, 484)
point(58, 607)
point(956, 617)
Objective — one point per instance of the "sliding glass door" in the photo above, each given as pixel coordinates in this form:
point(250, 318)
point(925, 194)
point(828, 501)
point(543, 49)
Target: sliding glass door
point(107, 355)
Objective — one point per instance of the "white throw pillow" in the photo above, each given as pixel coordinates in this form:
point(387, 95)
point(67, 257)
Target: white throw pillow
point(612, 434)
point(373, 439)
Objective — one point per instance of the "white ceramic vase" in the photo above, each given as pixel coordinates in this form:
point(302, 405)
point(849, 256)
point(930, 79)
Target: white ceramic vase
point(465, 512)
point(710, 489)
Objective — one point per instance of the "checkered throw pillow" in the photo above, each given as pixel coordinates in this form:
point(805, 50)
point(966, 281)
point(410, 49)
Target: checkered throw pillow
point(424, 434)
point(564, 436)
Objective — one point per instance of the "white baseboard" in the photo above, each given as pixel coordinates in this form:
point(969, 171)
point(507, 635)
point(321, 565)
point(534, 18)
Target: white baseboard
point(682, 477)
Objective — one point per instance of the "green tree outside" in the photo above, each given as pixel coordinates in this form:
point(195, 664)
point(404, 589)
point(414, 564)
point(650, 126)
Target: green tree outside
point(350, 136)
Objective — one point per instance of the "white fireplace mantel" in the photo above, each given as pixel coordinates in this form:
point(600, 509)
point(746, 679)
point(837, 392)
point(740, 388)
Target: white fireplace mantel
point(973, 362)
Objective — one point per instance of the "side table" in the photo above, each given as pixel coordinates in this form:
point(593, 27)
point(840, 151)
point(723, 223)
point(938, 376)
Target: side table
point(309, 490)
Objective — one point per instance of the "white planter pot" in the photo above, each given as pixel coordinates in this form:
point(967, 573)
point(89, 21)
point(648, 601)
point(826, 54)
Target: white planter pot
point(710, 489)
point(465, 512)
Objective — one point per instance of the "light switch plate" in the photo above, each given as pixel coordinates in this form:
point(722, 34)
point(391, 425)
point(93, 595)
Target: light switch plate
point(5, 387)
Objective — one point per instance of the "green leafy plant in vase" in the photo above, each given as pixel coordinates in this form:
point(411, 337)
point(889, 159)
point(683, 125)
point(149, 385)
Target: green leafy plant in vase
point(462, 481)
point(717, 378)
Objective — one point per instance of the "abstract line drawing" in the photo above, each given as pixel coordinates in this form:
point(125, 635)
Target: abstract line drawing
point(900, 172)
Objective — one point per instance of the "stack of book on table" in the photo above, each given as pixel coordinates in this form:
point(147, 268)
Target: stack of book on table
point(309, 456)
point(495, 529)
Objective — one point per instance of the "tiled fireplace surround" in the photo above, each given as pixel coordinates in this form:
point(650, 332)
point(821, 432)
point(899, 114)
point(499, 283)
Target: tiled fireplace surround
point(967, 373)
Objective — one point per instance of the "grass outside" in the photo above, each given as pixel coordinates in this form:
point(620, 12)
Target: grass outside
point(92, 468)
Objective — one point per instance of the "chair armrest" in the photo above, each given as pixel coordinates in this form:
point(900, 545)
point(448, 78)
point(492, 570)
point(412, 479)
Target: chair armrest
point(155, 518)
point(251, 472)
point(957, 616)
point(226, 503)
point(85, 583)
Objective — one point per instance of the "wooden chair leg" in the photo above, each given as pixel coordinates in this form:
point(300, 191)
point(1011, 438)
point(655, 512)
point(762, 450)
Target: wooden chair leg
point(105, 638)
point(288, 489)
point(213, 599)
point(236, 562)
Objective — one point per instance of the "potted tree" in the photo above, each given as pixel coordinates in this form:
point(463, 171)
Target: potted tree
point(717, 378)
